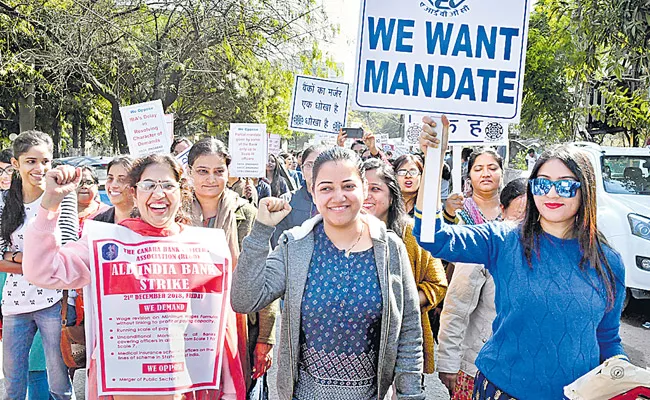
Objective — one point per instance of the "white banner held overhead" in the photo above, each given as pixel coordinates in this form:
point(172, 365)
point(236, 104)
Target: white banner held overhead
point(248, 145)
point(467, 132)
point(318, 105)
point(456, 57)
point(146, 128)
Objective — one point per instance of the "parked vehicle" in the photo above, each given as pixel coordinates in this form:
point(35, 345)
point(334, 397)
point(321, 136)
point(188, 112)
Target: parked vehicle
point(623, 193)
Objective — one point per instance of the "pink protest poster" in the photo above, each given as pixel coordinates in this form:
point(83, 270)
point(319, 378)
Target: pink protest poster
point(161, 305)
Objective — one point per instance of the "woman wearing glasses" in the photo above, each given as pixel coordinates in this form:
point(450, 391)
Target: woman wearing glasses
point(408, 169)
point(88, 205)
point(559, 287)
point(216, 206)
point(156, 182)
point(6, 169)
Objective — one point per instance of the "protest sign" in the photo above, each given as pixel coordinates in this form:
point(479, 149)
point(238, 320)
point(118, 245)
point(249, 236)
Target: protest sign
point(318, 105)
point(455, 57)
point(472, 132)
point(275, 142)
point(146, 129)
point(182, 159)
point(248, 145)
point(161, 307)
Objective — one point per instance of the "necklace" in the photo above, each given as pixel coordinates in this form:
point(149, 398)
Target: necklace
point(347, 252)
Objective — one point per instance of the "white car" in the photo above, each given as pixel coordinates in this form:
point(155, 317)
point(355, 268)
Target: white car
point(623, 193)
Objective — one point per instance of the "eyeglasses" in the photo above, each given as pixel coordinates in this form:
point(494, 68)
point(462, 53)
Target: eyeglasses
point(149, 186)
point(408, 172)
point(8, 170)
point(88, 182)
point(308, 165)
point(565, 187)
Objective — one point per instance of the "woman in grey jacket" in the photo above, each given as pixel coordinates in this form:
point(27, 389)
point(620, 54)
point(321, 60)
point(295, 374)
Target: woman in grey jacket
point(350, 323)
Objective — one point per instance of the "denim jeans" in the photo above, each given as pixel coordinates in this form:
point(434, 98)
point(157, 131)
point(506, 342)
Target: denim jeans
point(18, 334)
point(37, 388)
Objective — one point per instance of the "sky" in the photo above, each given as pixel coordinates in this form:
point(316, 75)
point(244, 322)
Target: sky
point(344, 13)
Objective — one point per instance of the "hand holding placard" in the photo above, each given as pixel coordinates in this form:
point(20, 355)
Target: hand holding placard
point(429, 196)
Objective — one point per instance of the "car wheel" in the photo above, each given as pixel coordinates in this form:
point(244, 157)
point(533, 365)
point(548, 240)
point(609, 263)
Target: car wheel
point(628, 296)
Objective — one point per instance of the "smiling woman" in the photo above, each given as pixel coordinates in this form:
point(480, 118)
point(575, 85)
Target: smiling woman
point(26, 307)
point(320, 268)
point(556, 272)
point(156, 181)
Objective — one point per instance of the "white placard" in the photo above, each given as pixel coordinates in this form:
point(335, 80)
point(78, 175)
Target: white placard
point(248, 145)
point(457, 171)
point(161, 307)
point(318, 105)
point(275, 143)
point(472, 132)
point(326, 139)
point(146, 129)
point(431, 193)
point(456, 57)
point(169, 120)
point(382, 138)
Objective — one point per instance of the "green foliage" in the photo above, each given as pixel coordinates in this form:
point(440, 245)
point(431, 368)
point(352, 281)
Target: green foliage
point(211, 63)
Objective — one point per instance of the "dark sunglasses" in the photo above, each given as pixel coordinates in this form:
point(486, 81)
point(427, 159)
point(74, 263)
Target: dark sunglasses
point(564, 187)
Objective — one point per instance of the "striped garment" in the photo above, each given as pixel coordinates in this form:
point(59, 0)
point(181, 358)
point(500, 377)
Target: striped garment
point(19, 296)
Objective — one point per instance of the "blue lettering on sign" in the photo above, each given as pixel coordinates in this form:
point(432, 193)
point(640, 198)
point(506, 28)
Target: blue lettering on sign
point(451, 75)
point(440, 37)
point(380, 31)
point(473, 83)
point(400, 81)
point(403, 34)
point(503, 86)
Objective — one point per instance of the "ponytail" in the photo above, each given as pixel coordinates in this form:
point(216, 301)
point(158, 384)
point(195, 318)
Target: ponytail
point(13, 214)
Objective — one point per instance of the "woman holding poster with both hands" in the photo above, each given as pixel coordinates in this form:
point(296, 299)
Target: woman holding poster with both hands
point(559, 287)
point(156, 183)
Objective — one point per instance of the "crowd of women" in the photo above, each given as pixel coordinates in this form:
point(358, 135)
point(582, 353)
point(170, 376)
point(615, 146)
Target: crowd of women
point(330, 240)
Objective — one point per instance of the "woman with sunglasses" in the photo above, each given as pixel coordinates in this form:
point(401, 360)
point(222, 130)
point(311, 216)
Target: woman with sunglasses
point(156, 183)
point(88, 204)
point(408, 169)
point(559, 287)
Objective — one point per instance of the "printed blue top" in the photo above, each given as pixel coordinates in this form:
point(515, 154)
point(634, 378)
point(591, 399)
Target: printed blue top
point(553, 323)
point(340, 324)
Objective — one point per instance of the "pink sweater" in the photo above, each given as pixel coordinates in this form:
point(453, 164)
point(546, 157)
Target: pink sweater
point(49, 265)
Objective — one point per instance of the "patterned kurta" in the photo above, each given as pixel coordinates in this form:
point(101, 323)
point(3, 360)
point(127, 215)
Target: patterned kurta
point(341, 325)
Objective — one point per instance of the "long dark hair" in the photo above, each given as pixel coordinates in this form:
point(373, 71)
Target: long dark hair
point(585, 229)
point(276, 189)
point(13, 215)
point(397, 217)
point(208, 146)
